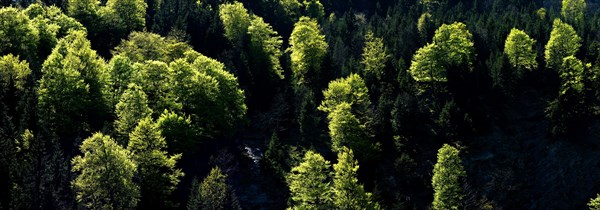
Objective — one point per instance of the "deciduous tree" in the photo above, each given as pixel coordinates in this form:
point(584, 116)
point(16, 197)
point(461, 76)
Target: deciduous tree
point(309, 183)
point(563, 42)
point(158, 176)
point(308, 48)
point(448, 174)
point(104, 175)
point(348, 193)
point(519, 48)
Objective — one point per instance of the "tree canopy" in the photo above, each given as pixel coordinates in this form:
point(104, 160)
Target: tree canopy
point(308, 48)
point(519, 48)
point(448, 174)
point(309, 183)
point(563, 42)
point(105, 175)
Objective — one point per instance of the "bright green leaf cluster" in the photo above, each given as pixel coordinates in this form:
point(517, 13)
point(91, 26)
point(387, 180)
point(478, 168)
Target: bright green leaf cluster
point(13, 73)
point(563, 42)
point(374, 56)
point(264, 40)
point(308, 48)
point(452, 47)
point(519, 48)
point(236, 21)
point(571, 74)
point(448, 173)
point(594, 204)
point(573, 11)
point(105, 175)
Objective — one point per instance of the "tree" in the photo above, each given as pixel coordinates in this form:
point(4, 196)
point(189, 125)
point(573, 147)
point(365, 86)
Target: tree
point(14, 74)
point(351, 90)
point(105, 175)
point(573, 11)
point(345, 129)
point(229, 107)
point(308, 48)
point(570, 107)
point(179, 132)
point(265, 45)
point(425, 66)
point(157, 174)
point(236, 21)
point(17, 35)
point(455, 42)
point(70, 95)
point(348, 193)
point(143, 46)
point(120, 71)
point(314, 9)
point(132, 107)
point(213, 193)
point(452, 47)
point(519, 50)
point(131, 13)
point(594, 204)
point(374, 56)
point(448, 173)
point(563, 42)
point(156, 79)
point(309, 183)
point(86, 11)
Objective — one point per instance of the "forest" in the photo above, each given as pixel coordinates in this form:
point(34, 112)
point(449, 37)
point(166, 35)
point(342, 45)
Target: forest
point(300, 104)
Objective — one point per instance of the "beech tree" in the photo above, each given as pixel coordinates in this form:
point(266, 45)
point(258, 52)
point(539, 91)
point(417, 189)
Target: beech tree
point(70, 90)
point(132, 107)
point(265, 45)
point(347, 192)
point(452, 47)
point(374, 56)
point(519, 48)
point(131, 13)
point(573, 11)
point(351, 90)
point(213, 193)
point(157, 174)
point(563, 42)
point(308, 48)
point(105, 173)
point(309, 183)
point(448, 173)
point(17, 34)
point(236, 21)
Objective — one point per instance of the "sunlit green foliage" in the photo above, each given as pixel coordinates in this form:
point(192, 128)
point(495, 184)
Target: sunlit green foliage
point(265, 45)
point(452, 47)
point(142, 46)
point(70, 90)
point(14, 73)
point(131, 13)
point(448, 174)
point(156, 79)
point(351, 90)
point(573, 11)
point(179, 132)
point(105, 173)
point(571, 74)
point(374, 56)
point(236, 21)
point(563, 42)
point(347, 192)
point(132, 107)
point(309, 183)
point(158, 176)
point(18, 36)
point(519, 48)
point(594, 203)
point(213, 193)
point(308, 48)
